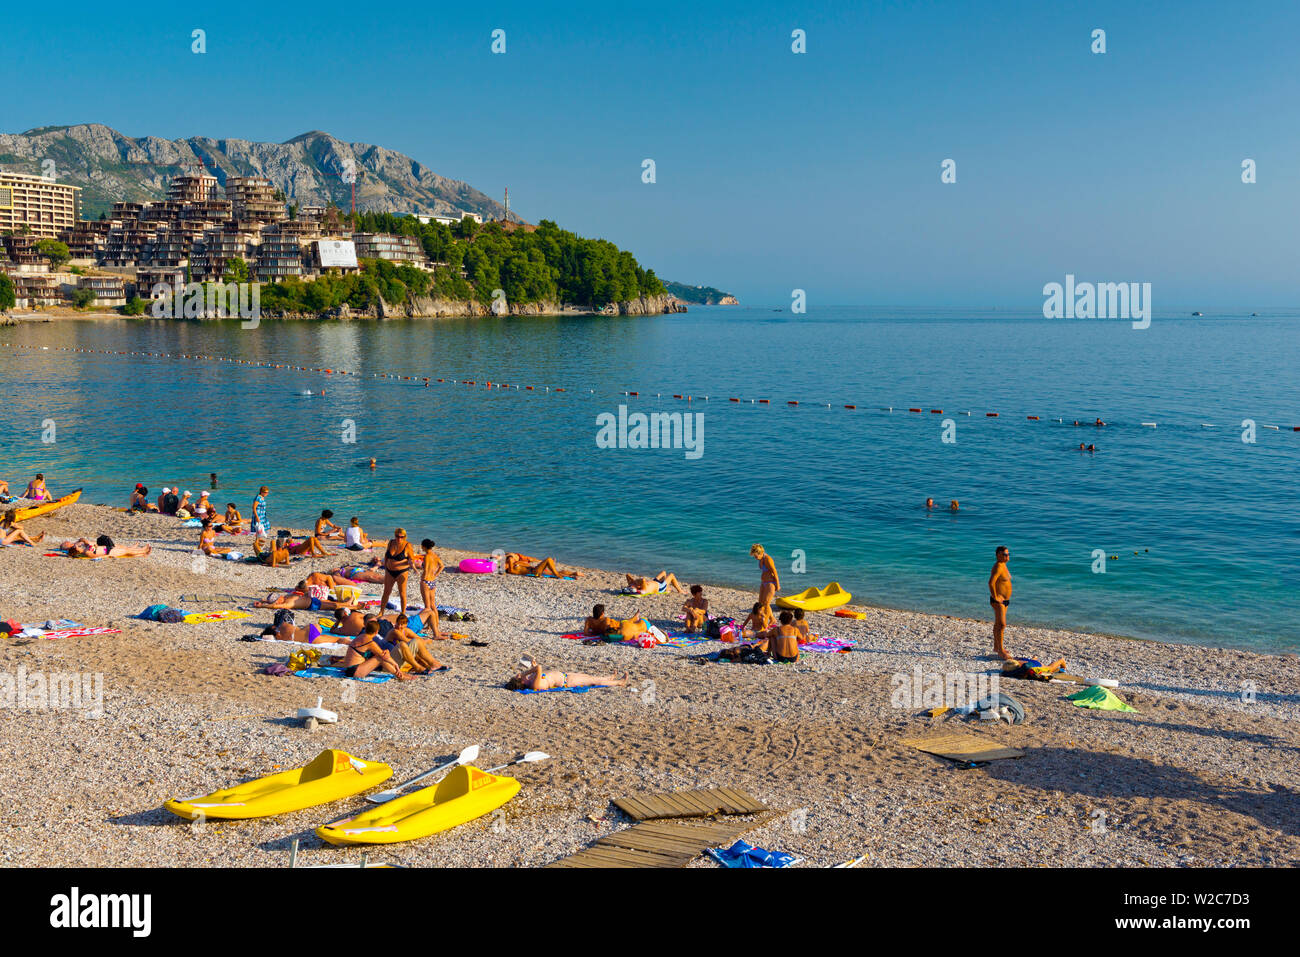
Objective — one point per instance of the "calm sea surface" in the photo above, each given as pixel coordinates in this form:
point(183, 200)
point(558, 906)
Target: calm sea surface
point(1213, 520)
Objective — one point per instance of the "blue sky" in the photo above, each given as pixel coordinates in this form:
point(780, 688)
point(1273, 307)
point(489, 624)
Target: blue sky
point(775, 171)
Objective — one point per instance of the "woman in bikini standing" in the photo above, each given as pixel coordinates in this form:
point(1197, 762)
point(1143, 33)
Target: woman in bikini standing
point(428, 593)
point(399, 558)
point(770, 583)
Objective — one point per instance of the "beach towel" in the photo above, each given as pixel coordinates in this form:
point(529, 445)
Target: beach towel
point(79, 631)
point(741, 854)
point(324, 647)
point(1100, 699)
point(828, 644)
point(548, 690)
point(327, 672)
point(201, 617)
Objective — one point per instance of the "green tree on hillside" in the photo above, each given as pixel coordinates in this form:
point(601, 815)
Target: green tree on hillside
point(7, 299)
point(236, 270)
point(53, 250)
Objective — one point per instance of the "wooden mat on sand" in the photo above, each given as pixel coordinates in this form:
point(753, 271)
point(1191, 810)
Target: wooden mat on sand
point(698, 803)
point(658, 844)
point(963, 747)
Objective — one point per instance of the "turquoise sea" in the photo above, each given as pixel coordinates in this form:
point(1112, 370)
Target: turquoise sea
point(1213, 519)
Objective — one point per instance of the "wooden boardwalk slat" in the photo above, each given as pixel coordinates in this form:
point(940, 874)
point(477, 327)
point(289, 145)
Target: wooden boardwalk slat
point(663, 843)
point(696, 802)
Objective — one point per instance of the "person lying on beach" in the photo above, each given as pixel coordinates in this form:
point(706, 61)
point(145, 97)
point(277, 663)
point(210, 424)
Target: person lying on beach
point(598, 623)
point(632, 628)
point(696, 609)
point(208, 540)
point(758, 619)
point(325, 528)
point(233, 522)
point(324, 579)
point(355, 538)
point(651, 586)
point(103, 547)
point(805, 635)
point(11, 533)
point(535, 679)
point(517, 564)
point(36, 490)
point(309, 546)
point(412, 649)
point(1030, 669)
point(370, 572)
point(309, 633)
point(365, 654)
point(307, 602)
point(349, 622)
point(781, 641)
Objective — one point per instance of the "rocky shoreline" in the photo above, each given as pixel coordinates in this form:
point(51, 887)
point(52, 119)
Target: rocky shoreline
point(420, 308)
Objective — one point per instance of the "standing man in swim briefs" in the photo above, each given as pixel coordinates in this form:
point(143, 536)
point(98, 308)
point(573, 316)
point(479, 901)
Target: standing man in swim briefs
point(1000, 598)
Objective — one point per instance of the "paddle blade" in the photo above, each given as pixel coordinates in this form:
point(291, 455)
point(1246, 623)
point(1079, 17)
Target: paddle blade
point(469, 755)
point(533, 756)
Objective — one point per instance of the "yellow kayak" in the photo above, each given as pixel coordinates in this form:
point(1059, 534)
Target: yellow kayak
point(463, 795)
point(34, 510)
point(331, 776)
point(817, 599)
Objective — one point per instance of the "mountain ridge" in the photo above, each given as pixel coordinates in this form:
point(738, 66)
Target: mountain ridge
point(309, 168)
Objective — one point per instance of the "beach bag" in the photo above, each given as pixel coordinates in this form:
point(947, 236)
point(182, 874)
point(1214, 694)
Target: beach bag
point(152, 612)
point(319, 592)
point(104, 542)
point(281, 616)
point(171, 616)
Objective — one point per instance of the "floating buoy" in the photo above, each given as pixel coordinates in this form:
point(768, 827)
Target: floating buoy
point(1032, 418)
point(913, 410)
point(850, 407)
point(792, 402)
point(1149, 425)
point(764, 401)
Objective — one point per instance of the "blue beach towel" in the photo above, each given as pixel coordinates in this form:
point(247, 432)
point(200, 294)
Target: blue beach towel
point(372, 679)
point(548, 690)
point(741, 854)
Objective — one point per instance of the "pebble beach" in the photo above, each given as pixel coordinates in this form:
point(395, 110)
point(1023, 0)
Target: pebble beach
point(1204, 773)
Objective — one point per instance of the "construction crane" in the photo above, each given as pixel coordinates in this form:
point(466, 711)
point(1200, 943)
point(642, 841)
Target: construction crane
point(357, 174)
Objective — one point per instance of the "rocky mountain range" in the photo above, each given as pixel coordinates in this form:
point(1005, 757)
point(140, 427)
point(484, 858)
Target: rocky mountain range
point(310, 169)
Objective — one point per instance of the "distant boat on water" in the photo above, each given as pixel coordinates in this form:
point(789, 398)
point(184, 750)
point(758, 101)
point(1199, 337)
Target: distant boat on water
point(1198, 314)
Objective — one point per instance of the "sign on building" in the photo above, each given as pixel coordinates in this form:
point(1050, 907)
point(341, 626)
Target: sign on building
point(337, 253)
